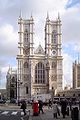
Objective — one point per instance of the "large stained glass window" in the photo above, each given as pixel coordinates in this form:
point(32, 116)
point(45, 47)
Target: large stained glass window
point(40, 73)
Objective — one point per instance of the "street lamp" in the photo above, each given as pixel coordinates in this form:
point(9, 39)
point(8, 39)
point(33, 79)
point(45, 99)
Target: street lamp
point(18, 88)
point(47, 69)
point(0, 95)
point(53, 92)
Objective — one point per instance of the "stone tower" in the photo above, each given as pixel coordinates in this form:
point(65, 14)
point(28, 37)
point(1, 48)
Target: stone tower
point(39, 71)
point(53, 51)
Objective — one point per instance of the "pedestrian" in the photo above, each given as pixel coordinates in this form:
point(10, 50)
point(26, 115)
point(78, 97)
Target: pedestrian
point(55, 109)
point(79, 104)
point(40, 106)
point(63, 107)
point(50, 103)
point(70, 104)
point(23, 106)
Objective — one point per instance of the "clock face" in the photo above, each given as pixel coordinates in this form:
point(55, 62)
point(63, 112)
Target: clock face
point(53, 52)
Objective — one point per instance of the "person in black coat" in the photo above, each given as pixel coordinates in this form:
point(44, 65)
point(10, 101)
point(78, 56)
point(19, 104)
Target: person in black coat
point(40, 106)
point(63, 107)
point(23, 106)
point(50, 103)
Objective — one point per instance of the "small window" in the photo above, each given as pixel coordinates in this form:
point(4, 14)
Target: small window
point(26, 89)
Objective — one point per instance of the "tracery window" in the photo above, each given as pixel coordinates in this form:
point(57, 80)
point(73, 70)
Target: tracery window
point(26, 36)
point(54, 37)
point(40, 73)
point(26, 65)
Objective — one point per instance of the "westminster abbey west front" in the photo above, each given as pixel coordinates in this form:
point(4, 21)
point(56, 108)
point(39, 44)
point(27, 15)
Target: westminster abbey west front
point(39, 71)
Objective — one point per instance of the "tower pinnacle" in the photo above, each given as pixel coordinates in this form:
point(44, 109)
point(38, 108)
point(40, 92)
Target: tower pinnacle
point(31, 16)
point(20, 16)
point(47, 16)
point(58, 16)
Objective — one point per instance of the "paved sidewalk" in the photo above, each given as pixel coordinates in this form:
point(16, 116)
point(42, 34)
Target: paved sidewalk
point(48, 115)
point(11, 107)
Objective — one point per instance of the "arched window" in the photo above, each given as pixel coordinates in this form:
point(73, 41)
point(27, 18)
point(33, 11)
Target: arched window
point(40, 73)
point(26, 65)
point(54, 37)
point(13, 79)
point(26, 36)
point(26, 89)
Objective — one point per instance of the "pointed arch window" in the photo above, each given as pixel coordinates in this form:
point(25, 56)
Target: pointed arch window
point(26, 65)
point(40, 73)
point(26, 36)
point(54, 37)
point(27, 90)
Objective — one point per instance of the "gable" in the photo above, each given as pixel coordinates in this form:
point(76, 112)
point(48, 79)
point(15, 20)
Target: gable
point(39, 50)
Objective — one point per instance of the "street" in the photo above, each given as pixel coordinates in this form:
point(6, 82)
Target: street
point(15, 113)
point(12, 115)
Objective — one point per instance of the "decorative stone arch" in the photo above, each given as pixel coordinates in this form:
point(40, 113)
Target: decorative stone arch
point(39, 73)
point(26, 65)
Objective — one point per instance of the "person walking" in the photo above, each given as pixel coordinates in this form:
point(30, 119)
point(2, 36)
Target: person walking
point(50, 103)
point(70, 104)
point(23, 106)
point(55, 109)
point(40, 106)
point(63, 107)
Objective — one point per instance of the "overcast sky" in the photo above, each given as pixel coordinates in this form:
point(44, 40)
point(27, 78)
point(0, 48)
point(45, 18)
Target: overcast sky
point(70, 16)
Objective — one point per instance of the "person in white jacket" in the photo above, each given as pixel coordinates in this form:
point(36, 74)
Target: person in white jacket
point(55, 109)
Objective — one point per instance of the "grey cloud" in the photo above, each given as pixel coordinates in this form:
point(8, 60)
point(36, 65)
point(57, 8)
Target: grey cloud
point(8, 50)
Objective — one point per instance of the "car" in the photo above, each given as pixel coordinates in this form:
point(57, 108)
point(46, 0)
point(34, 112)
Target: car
point(8, 101)
point(13, 101)
point(30, 101)
point(2, 101)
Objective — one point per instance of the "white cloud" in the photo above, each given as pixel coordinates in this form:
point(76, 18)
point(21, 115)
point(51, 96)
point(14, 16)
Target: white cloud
point(71, 25)
point(67, 69)
point(8, 41)
point(8, 50)
point(77, 47)
point(6, 68)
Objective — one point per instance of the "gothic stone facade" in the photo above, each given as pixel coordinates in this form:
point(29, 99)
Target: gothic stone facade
point(76, 75)
point(39, 71)
point(11, 85)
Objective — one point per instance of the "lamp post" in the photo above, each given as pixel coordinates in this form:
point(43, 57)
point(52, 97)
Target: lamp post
point(18, 91)
point(53, 92)
point(47, 69)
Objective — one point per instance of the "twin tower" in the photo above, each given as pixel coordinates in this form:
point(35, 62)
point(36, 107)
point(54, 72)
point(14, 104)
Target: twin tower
point(39, 71)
